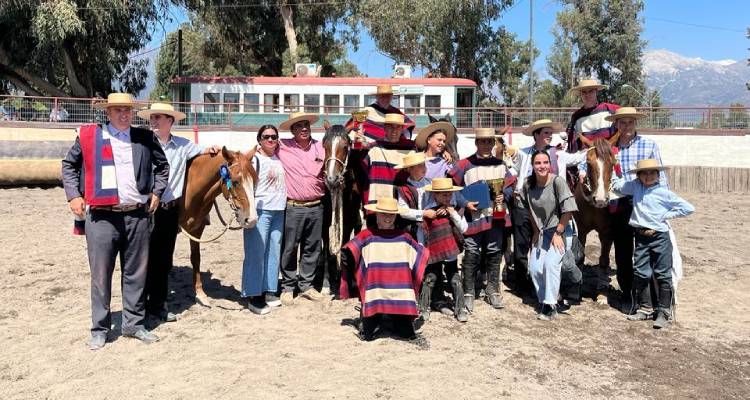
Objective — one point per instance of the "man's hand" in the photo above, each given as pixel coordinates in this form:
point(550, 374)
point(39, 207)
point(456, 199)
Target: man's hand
point(472, 205)
point(154, 203)
point(77, 206)
point(212, 150)
point(429, 214)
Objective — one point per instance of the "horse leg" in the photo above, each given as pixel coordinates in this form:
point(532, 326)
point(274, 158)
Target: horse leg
point(605, 238)
point(195, 261)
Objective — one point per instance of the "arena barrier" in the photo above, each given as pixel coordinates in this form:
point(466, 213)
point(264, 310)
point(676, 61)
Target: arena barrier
point(692, 179)
point(26, 171)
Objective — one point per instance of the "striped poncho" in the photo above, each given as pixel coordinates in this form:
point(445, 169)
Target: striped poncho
point(372, 127)
point(474, 169)
point(382, 179)
point(100, 178)
point(590, 123)
point(440, 239)
point(388, 269)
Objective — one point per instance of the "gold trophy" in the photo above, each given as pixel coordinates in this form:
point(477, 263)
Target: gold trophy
point(496, 189)
point(359, 116)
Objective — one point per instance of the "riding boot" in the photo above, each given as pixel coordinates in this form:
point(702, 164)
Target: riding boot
point(425, 295)
point(459, 307)
point(641, 299)
point(664, 310)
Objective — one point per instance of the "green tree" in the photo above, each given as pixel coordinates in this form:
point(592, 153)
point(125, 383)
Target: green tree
point(606, 37)
point(449, 39)
point(561, 68)
point(75, 47)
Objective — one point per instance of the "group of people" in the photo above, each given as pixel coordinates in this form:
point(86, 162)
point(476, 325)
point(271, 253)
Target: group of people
point(422, 214)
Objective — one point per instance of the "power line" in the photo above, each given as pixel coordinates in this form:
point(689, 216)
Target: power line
point(220, 6)
point(171, 42)
point(718, 28)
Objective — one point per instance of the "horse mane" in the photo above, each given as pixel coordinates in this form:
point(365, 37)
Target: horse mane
point(333, 132)
point(603, 149)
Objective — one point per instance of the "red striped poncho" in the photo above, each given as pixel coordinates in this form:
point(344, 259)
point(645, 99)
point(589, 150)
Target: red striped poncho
point(590, 123)
point(388, 268)
point(474, 169)
point(440, 239)
point(382, 178)
point(372, 127)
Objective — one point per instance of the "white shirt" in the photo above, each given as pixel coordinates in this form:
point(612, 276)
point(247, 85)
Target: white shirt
point(122, 153)
point(178, 151)
point(270, 194)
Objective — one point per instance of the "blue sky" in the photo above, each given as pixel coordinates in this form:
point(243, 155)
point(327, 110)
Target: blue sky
point(669, 24)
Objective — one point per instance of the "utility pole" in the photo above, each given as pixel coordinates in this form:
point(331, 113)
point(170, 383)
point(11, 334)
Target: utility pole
point(179, 52)
point(531, 50)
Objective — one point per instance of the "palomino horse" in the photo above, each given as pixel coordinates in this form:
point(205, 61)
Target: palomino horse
point(231, 173)
point(592, 198)
point(345, 194)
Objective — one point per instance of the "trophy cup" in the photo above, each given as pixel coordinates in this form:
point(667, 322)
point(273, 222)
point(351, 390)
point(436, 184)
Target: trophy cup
point(496, 189)
point(359, 116)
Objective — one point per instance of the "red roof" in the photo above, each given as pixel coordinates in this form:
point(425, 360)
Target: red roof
point(284, 80)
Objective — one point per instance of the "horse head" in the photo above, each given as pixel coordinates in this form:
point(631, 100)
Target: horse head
point(600, 161)
point(238, 180)
point(336, 143)
point(452, 146)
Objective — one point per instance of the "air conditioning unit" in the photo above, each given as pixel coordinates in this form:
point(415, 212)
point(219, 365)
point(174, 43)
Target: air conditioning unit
point(306, 70)
point(402, 71)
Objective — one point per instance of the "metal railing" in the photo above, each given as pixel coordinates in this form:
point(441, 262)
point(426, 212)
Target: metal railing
point(75, 111)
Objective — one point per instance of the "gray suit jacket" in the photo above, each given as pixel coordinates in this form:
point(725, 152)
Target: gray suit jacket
point(150, 164)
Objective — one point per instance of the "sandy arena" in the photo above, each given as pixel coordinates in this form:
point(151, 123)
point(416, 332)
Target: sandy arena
point(310, 350)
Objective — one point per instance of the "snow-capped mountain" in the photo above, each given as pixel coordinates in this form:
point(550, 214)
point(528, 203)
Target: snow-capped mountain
point(694, 81)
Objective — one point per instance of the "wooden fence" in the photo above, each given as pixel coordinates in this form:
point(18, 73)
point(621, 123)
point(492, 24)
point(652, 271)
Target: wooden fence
point(709, 179)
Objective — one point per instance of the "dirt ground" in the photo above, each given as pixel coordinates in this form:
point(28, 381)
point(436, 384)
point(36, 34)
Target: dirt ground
point(310, 350)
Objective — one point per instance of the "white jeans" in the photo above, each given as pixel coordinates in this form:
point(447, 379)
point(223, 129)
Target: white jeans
point(544, 265)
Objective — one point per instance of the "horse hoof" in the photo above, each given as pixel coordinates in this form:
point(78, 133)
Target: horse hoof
point(601, 299)
point(202, 299)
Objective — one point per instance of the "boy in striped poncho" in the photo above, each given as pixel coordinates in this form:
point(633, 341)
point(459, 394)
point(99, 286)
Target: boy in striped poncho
point(484, 235)
point(387, 266)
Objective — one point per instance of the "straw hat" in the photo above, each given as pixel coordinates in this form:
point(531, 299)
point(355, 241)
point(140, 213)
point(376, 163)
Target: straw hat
point(297, 117)
point(162, 108)
point(625, 112)
point(386, 205)
point(394, 119)
point(442, 185)
point(424, 133)
point(541, 123)
point(484, 133)
point(647, 164)
point(118, 100)
point(412, 159)
point(588, 84)
point(382, 89)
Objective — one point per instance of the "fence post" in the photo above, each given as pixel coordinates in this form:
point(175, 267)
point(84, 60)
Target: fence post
point(710, 119)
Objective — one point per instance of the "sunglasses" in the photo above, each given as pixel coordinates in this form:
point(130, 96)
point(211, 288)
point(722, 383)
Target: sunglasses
point(271, 138)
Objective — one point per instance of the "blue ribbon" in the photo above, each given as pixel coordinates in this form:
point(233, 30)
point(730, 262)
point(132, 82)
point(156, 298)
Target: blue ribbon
point(225, 176)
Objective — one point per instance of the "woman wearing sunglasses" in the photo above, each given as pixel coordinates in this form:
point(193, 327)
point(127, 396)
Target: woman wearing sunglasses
point(262, 244)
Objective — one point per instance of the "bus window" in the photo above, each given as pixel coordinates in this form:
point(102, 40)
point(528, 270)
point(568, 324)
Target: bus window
point(369, 99)
point(312, 103)
point(411, 103)
point(211, 98)
point(395, 101)
point(331, 103)
point(251, 101)
point(231, 101)
point(271, 102)
point(432, 104)
point(291, 103)
point(464, 104)
point(351, 103)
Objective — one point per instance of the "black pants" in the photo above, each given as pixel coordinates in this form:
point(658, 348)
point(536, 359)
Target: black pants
point(302, 230)
point(488, 244)
point(160, 258)
point(522, 232)
point(623, 241)
point(403, 325)
point(653, 258)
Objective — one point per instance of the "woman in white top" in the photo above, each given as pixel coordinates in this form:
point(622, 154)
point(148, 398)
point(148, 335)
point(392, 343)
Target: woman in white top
point(262, 244)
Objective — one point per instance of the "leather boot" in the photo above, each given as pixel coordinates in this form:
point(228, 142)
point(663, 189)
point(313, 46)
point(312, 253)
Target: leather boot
point(459, 307)
point(664, 311)
point(642, 309)
point(425, 295)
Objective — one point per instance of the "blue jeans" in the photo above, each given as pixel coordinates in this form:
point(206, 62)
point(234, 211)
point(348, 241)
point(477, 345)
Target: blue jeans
point(544, 265)
point(260, 268)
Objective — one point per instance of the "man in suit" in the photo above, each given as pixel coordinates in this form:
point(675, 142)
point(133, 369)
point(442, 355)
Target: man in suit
point(119, 172)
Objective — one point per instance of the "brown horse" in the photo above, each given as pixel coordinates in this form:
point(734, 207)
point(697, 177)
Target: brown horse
point(204, 181)
point(592, 198)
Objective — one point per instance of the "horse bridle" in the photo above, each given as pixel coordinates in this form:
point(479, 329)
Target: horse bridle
point(333, 157)
point(228, 190)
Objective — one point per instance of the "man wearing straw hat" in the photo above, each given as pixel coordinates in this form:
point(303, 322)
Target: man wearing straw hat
point(372, 128)
point(179, 151)
point(484, 236)
point(542, 131)
point(589, 122)
point(631, 147)
point(302, 160)
point(384, 248)
point(120, 172)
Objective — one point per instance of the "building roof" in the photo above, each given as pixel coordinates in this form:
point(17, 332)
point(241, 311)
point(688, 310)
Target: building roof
point(358, 81)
